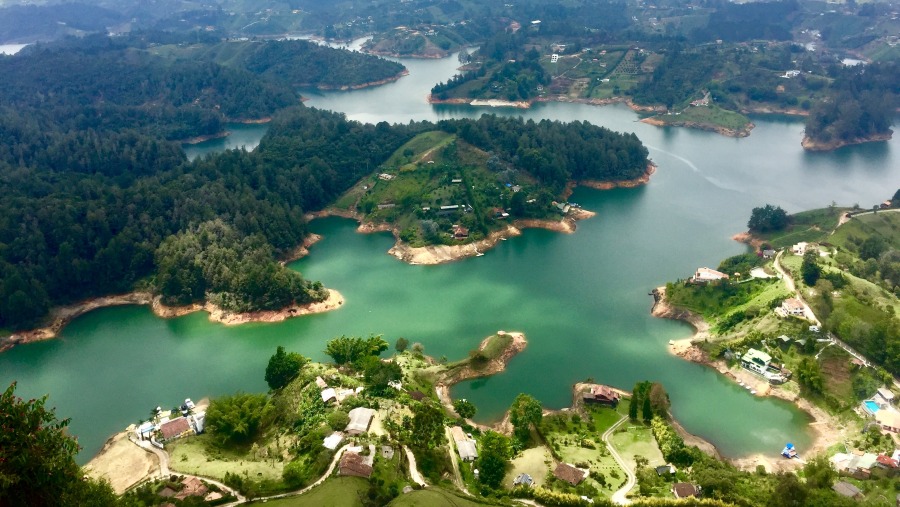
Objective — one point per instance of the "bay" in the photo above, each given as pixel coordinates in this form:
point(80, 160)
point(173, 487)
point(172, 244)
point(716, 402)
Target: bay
point(581, 298)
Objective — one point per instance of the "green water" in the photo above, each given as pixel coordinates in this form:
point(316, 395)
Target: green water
point(581, 298)
point(245, 136)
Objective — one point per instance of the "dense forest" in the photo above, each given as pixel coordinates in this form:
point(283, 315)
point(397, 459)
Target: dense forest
point(736, 22)
point(862, 102)
point(85, 214)
point(298, 63)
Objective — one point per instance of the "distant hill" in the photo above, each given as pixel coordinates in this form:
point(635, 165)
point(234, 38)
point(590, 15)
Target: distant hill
point(29, 23)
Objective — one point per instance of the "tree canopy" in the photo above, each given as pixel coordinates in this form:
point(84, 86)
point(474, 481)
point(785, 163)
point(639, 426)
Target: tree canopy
point(347, 349)
point(525, 413)
point(283, 367)
point(238, 418)
point(767, 218)
point(37, 458)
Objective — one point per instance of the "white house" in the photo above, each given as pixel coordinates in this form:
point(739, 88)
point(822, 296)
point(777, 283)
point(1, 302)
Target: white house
point(800, 248)
point(706, 275)
point(793, 306)
point(360, 419)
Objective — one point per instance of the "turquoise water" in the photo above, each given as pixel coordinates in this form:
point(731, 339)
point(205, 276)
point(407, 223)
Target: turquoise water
point(581, 299)
point(872, 406)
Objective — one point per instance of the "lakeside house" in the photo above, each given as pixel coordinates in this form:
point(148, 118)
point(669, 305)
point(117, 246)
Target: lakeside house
point(568, 473)
point(465, 445)
point(760, 363)
point(460, 232)
point(685, 490)
point(604, 395)
point(360, 419)
point(174, 429)
point(768, 253)
point(793, 306)
point(706, 275)
point(885, 394)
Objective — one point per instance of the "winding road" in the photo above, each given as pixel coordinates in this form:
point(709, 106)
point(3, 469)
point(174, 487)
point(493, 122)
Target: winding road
point(619, 497)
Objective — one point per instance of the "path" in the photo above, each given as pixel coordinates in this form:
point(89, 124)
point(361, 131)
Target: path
point(457, 475)
point(413, 470)
point(789, 281)
point(164, 471)
point(619, 496)
point(844, 218)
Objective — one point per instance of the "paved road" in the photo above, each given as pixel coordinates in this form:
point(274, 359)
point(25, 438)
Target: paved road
point(619, 496)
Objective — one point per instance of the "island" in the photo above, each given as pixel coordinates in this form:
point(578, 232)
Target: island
point(458, 191)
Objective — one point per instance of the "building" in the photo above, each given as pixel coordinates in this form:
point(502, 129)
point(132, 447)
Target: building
point(665, 470)
point(793, 306)
point(800, 248)
point(885, 394)
point(524, 480)
point(760, 363)
point(465, 446)
point(329, 394)
point(333, 441)
point(191, 486)
point(321, 383)
point(460, 232)
point(360, 419)
point(706, 275)
point(888, 420)
point(604, 395)
point(844, 488)
point(174, 429)
point(568, 473)
point(353, 464)
point(685, 490)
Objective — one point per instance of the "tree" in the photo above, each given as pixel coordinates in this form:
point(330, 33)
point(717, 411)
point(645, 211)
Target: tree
point(659, 400)
point(809, 269)
point(283, 368)
point(809, 375)
point(379, 375)
point(525, 413)
point(238, 418)
point(37, 458)
point(647, 410)
point(346, 349)
point(401, 345)
point(768, 218)
point(465, 408)
point(818, 473)
point(427, 425)
point(338, 420)
point(789, 492)
point(495, 455)
point(633, 405)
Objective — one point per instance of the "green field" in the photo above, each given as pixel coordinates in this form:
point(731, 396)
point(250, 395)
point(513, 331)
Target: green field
point(335, 492)
point(434, 497)
point(883, 223)
point(810, 226)
point(707, 115)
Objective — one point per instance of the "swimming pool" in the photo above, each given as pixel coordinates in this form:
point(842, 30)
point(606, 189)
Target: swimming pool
point(871, 406)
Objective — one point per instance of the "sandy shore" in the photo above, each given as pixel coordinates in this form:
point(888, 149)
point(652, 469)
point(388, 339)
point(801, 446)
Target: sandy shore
point(122, 463)
point(63, 315)
point(827, 430)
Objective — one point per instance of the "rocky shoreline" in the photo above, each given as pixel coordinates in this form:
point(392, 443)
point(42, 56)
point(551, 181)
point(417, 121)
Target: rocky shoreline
point(65, 314)
point(810, 144)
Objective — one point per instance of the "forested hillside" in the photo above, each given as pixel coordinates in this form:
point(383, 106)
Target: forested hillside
point(298, 62)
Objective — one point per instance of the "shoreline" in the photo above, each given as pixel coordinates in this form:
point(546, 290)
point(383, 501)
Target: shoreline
point(609, 185)
point(61, 316)
point(809, 144)
point(369, 84)
point(826, 429)
point(203, 139)
point(718, 129)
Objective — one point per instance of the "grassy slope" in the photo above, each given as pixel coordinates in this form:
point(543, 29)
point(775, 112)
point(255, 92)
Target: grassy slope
point(711, 115)
point(335, 492)
point(433, 497)
point(811, 226)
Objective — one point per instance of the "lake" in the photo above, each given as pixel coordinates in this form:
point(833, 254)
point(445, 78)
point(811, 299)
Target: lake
point(581, 299)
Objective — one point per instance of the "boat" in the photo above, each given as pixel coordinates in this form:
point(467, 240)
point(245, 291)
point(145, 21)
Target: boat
point(789, 451)
point(753, 392)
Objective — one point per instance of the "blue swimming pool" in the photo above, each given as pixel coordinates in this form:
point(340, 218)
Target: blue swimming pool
point(871, 406)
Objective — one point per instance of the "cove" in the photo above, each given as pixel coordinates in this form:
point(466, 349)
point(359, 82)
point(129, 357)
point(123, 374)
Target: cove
point(581, 299)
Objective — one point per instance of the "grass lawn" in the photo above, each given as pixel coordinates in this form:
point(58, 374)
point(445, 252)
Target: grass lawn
point(710, 115)
point(417, 145)
point(810, 226)
point(535, 462)
point(884, 223)
point(433, 497)
point(195, 455)
point(496, 345)
point(335, 492)
point(632, 439)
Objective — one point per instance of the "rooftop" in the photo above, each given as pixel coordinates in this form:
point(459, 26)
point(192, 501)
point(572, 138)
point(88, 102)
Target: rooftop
point(568, 473)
